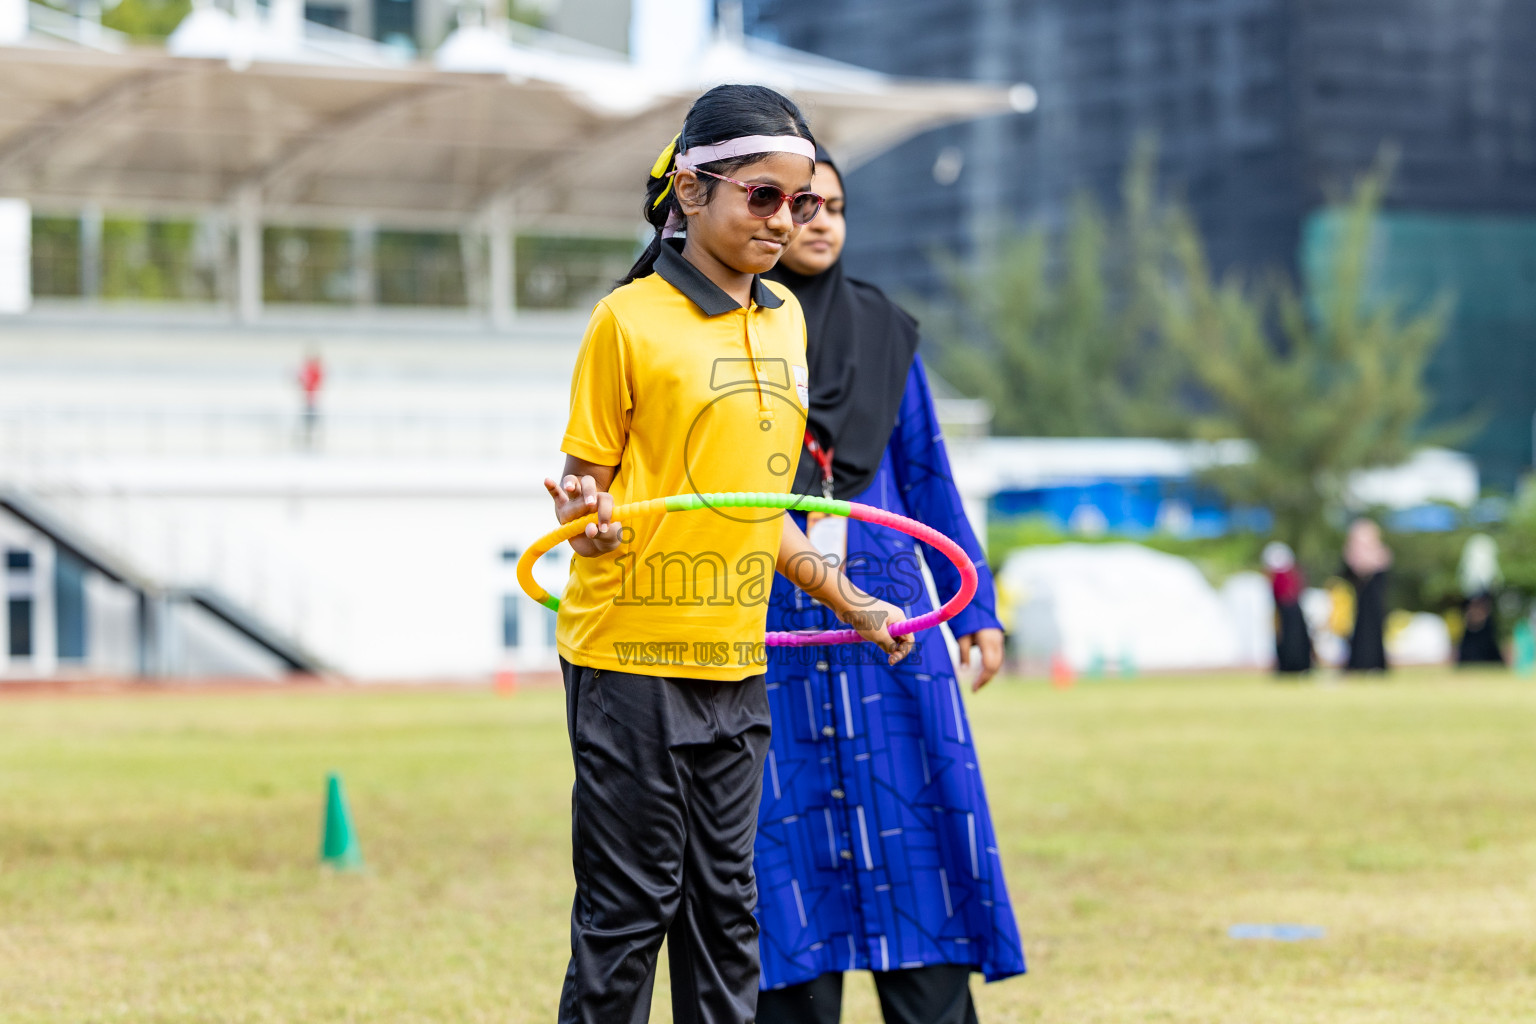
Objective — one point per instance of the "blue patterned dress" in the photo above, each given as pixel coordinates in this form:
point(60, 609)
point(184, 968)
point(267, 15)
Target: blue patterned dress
point(875, 849)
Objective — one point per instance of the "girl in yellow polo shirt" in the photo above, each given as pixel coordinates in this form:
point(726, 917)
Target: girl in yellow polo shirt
point(691, 379)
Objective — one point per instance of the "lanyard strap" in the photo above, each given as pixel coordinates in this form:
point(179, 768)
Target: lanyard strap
point(823, 457)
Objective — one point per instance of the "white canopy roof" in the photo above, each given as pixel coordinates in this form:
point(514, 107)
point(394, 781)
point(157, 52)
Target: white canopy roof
point(316, 130)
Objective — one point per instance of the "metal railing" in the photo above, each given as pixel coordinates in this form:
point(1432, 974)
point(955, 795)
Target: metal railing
point(43, 433)
point(118, 258)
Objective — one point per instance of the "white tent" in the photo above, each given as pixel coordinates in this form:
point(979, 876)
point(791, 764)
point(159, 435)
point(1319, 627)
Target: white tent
point(1116, 604)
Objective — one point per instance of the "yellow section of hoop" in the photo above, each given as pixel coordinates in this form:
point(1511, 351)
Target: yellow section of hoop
point(539, 548)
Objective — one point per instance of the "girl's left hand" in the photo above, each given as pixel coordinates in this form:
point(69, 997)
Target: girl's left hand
point(990, 643)
point(873, 619)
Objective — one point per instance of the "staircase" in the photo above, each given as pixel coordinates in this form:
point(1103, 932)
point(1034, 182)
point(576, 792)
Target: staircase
point(172, 631)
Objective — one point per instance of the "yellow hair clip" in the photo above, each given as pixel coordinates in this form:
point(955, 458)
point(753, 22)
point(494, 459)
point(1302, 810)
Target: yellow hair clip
point(659, 168)
point(665, 159)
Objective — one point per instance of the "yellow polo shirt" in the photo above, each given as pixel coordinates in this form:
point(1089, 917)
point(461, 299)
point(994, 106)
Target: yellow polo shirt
point(687, 393)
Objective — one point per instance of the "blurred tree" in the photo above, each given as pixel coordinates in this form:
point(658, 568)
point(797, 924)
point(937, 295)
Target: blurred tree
point(1517, 547)
point(307, 265)
point(555, 272)
point(55, 256)
point(1060, 334)
point(147, 19)
point(1320, 392)
point(144, 259)
point(421, 268)
point(1118, 327)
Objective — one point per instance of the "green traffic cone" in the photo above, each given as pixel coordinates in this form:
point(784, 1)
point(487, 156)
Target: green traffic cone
point(338, 843)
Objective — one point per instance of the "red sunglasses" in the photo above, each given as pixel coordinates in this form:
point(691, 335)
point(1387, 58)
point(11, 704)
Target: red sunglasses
point(763, 201)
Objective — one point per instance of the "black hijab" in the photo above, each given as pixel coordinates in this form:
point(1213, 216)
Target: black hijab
point(859, 349)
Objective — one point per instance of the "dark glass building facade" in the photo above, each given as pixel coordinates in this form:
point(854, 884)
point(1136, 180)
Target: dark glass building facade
point(1262, 109)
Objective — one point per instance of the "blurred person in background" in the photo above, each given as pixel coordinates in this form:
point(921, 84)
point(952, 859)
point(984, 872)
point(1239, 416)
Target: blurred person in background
point(311, 379)
point(1480, 579)
point(875, 847)
point(1367, 560)
point(1293, 642)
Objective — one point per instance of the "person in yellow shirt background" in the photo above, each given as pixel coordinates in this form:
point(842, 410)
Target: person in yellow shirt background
point(690, 379)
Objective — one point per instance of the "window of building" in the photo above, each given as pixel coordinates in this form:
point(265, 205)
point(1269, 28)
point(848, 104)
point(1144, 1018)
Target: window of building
point(1102, 8)
point(1263, 36)
point(1165, 50)
point(1106, 118)
point(325, 14)
point(20, 623)
point(1203, 107)
point(56, 256)
point(510, 599)
point(1098, 56)
point(69, 607)
point(394, 21)
point(18, 570)
point(307, 265)
point(1207, 47)
point(420, 268)
point(509, 635)
point(1165, 115)
point(556, 562)
point(1264, 101)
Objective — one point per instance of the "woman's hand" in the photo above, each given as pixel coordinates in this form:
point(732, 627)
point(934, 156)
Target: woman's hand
point(576, 496)
point(990, 643)
point(873, 618)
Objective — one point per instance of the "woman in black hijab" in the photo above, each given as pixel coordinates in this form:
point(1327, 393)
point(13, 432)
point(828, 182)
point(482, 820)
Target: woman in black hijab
point(875, 848)
point(1367, 560)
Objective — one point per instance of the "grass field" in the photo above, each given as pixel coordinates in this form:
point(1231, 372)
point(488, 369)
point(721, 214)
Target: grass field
point(158, 854)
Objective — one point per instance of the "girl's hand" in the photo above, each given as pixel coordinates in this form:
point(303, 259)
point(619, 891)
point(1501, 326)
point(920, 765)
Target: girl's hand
point(990, 643)
point(873, 619)
point(808, 569)
point(576, 496)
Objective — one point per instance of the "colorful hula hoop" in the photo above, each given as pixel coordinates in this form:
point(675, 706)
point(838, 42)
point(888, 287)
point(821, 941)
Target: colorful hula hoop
point(799, 502)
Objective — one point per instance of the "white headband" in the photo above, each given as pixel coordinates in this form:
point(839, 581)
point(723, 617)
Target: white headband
point(749, 145)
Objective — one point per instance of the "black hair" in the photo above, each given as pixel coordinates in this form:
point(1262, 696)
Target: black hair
point(725, 112)
point(824, 157)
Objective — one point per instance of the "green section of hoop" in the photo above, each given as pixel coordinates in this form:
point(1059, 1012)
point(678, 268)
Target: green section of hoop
point(751, 499)
point(826, 506)
point(759, 499)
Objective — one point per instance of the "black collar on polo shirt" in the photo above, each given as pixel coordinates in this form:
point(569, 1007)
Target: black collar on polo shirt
point(704, 293)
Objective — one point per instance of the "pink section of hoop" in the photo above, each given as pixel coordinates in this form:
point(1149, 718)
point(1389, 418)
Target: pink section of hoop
point(912, 528)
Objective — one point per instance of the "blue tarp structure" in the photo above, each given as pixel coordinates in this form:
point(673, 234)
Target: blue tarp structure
point(1130, 507)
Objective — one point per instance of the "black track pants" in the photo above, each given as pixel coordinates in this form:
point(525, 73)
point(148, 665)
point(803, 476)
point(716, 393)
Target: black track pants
point(663, 817)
